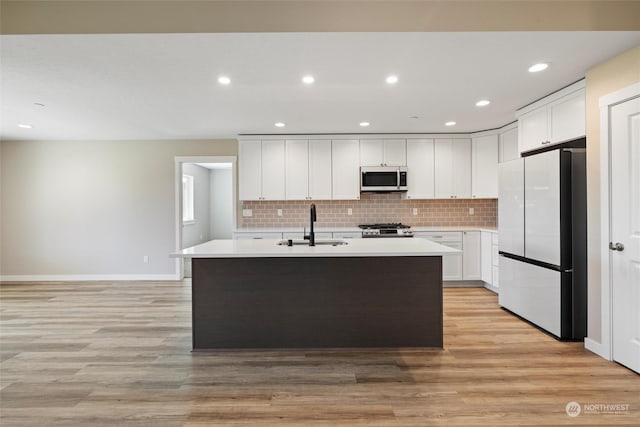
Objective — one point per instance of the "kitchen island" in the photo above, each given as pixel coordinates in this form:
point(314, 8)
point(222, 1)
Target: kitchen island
point(366, 293)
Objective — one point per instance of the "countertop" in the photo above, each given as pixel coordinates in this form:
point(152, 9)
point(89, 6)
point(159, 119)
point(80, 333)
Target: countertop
point(356, 229)
point(264, 248)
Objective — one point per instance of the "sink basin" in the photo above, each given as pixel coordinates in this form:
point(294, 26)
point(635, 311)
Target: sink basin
point(323, 242)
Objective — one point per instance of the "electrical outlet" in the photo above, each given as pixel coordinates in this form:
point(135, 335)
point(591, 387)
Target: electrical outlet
point(471, 211)
point(279, 212)
point(349, 211)
point(415, 211)
point(247, 212)
point(145, 259)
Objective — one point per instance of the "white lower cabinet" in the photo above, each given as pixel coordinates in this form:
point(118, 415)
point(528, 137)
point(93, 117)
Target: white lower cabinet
point(489, 258)
point(471, 267)
point(451, 264)
point(486, 260)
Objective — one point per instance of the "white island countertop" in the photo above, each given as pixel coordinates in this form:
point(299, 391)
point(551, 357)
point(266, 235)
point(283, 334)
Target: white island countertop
point(264, 248)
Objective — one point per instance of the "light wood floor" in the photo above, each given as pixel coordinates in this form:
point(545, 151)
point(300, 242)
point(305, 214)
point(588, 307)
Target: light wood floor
point(102, 354)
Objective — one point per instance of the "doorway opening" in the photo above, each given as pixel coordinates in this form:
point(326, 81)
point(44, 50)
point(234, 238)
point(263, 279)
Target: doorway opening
point(205, 203)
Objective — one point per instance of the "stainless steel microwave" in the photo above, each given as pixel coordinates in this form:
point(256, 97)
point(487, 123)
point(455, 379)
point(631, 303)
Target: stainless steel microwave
point(383, 178)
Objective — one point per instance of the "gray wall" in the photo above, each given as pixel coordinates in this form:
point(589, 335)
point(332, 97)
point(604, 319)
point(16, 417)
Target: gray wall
point(95, 208)
point(221, 204)
point(198, 231)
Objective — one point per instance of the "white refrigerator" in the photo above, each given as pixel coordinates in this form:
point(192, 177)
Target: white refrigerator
point(542, 230)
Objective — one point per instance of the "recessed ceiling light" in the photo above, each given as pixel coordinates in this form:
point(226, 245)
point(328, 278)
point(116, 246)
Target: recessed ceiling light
point(224, 80)
point(450, 124)
point(483, 103)
point(279, 125)
point(308, 80)
point(538, 67)
point(364, 124)
point(392, 79)
point(25, 126)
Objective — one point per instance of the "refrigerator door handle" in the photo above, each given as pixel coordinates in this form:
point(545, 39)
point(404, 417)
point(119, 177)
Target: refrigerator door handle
point(616, 246)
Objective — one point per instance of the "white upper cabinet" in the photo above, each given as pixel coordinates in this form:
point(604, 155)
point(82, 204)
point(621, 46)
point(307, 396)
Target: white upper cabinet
point(452, 168)
point(250, 170)
point(308, 169)
point(273, 168)
point(484, 167)
point(567, 118)
point(320, 170)
point(383, 152)
point(297, 171)
point(345, 155)
point(262, 166)
point(555, 119)
point(508, 145)
point(420, 168)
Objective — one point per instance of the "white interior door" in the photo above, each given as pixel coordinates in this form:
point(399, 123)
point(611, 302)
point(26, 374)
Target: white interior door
point(625, 231)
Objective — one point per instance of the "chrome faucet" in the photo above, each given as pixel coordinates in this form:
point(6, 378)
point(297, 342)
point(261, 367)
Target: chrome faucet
point(312, 218)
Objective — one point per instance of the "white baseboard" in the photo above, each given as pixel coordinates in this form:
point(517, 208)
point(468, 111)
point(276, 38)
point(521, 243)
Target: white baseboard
point(597, 348)
point(87, 277)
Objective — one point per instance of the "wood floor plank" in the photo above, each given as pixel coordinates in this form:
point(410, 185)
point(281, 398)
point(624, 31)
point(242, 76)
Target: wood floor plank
point(119, 354)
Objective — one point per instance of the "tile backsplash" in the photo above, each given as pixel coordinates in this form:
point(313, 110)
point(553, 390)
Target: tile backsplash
point(372, 208)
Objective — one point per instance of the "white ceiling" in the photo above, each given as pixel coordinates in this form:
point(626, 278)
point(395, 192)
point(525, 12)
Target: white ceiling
point(164, 86)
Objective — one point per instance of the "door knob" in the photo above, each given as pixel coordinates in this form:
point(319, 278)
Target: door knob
point(616, 246)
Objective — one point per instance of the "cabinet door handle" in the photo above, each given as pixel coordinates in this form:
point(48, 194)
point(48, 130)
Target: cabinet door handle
point(616, 246)
point(546, 142)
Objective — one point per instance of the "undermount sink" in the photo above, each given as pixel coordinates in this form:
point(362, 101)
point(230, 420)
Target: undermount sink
point(296, 242)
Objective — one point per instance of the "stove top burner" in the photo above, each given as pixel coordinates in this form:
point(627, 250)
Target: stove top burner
point(387, 226)
point(394, 229)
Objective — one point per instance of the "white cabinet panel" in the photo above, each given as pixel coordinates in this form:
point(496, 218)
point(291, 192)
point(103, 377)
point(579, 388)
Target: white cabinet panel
point(531, 292)
point(345, 155)
point(451, 264)
point(484, 167)
point(371, 152)
point(533, 130)
point(558, 118)
point(485, 256)
point(250, 170)
point(511, 206)
point(319, 169)
point(297, 170)
point(308, 169)
point(461, 168)
point(383, 152)
point(273, 170)
point(542, 210)
point(395, 152)
point(509, 145)
point(567, 118)
point(471, 266)
point(452, 168)
point(443, 163)
point(420, 167)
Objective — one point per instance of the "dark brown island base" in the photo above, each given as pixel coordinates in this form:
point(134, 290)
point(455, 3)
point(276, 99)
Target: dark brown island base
point(333, 297)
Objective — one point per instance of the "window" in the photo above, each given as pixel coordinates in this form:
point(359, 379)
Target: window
point(188, 211)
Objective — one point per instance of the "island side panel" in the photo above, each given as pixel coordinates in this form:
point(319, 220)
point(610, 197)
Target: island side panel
point(317, 302)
